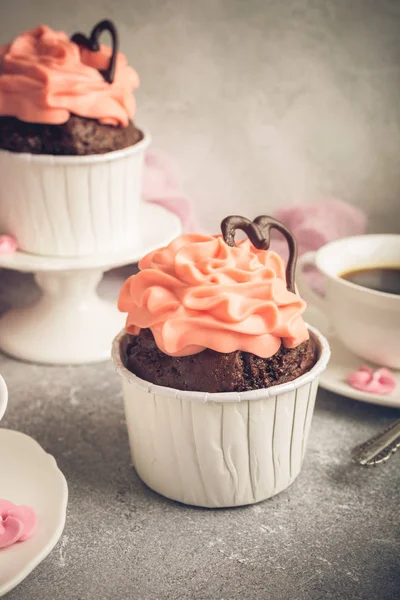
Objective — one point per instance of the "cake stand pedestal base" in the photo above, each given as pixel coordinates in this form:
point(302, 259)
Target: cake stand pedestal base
point(70, 323)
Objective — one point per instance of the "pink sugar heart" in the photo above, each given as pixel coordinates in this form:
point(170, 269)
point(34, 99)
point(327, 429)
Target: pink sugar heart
point(8, 244)
point(365, 379)
point(10, 531)
point(27, 516)
point(9, 514)
point(5, 506)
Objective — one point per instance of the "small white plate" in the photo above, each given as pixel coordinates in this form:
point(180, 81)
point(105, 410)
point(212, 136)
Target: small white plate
point(28, 475)
point(342, 363)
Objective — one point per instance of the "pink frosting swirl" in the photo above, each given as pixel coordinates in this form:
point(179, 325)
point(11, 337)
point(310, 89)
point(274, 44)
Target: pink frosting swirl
point(199, 293)
point(44, 78)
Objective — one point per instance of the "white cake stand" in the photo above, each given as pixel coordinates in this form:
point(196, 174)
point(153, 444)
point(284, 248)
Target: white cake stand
point(70, 323)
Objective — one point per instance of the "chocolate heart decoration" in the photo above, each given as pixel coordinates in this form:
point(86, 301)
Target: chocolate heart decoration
point(259, 233)
point(92, 43)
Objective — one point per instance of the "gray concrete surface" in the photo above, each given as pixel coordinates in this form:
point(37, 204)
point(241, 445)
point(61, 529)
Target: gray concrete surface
point(333, 535)
point(261, 102)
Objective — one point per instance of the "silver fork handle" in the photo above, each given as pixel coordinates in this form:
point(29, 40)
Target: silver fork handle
point(379, 448)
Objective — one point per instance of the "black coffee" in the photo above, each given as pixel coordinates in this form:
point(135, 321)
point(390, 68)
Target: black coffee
point(382, 279)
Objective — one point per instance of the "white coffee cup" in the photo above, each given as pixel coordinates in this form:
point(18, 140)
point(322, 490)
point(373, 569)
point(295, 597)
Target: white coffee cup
point(366, 321)
point(3, 397)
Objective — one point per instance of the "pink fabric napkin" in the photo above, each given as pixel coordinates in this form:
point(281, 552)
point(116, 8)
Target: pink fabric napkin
point(161, 185)
point(317, 224)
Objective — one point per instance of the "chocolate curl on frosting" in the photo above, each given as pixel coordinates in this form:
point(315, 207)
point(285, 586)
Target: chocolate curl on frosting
point(259, 233)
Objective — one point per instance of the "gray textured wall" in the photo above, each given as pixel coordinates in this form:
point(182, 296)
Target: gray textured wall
point(261, 102)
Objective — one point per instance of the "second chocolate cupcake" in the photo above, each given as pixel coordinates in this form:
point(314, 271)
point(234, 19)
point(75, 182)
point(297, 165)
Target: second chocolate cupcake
point(71, 157)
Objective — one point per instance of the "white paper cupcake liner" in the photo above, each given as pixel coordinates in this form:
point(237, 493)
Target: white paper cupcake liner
point(223, 449)
point(72, 206)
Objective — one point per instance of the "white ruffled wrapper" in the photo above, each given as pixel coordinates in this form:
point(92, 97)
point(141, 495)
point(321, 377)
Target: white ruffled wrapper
point(72, 206)
point(222, 449)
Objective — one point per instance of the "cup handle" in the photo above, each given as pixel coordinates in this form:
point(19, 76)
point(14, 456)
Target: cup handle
point(3, 397)
point(306, 292)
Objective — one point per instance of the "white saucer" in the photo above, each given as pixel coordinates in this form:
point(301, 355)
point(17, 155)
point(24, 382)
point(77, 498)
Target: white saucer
point(28, 475)
point(342, 363)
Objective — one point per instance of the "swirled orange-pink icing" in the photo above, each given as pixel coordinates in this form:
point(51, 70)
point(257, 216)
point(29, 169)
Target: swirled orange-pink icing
point(199, 293)
point(44, 78)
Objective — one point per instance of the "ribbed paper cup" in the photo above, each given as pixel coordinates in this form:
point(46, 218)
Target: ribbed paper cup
point(219, 450)
point(72, 206)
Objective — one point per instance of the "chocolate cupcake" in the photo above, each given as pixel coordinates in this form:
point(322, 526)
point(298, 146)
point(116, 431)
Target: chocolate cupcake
point(78, 136)
point(218, 363)
point(71, 157)
point(212, 371)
